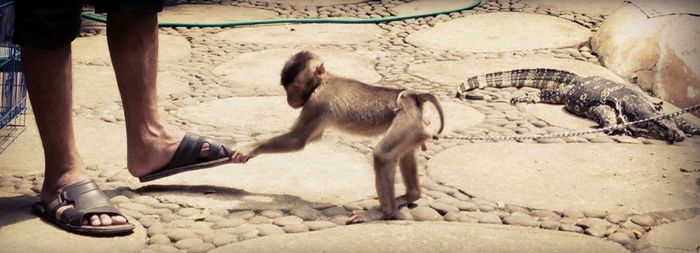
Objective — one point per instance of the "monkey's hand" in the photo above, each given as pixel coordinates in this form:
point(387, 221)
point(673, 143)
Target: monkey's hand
point(243, 154)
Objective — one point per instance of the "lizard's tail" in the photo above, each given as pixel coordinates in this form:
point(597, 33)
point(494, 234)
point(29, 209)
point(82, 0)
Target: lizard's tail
point(535, 78)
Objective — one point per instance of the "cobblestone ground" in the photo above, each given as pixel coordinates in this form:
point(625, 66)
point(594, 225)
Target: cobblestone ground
point(174, 226)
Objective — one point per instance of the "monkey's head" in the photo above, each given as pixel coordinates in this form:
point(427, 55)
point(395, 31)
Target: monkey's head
point(301, 75)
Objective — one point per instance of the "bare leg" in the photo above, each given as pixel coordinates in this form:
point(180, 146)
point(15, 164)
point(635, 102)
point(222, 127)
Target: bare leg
point(48, 73)
point(133, 47)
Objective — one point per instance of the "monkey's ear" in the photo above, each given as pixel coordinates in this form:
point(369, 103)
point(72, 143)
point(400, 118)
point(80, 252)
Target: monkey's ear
point(320, 69)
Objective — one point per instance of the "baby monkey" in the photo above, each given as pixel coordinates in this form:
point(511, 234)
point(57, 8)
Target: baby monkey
point(355, 107)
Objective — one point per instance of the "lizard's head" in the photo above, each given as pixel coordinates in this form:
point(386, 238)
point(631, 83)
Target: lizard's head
point(661, 129)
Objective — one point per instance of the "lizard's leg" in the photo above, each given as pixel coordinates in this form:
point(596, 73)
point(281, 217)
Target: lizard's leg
point(547, 96)
point(529, 98)
point(686, 126)
point(605, 116)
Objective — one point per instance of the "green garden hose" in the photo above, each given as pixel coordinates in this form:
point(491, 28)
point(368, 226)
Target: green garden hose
point(475, 3)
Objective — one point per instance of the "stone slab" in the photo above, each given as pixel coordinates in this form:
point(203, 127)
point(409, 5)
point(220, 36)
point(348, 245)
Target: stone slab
point(457, 72)
point(93, 49)
point(210, 13)
point(501, 32)
point(253, 115)
point(97, 85)
point(21, 231)
point(323, 173)
point(654, 8)
point(97, 141)
point(590, 7)
point(258, 73)
point(314, 2)
point(426, 6)
point(458, 116)
point(426, 237)
point(674, 237)
point(303, 34)
point(598, 177)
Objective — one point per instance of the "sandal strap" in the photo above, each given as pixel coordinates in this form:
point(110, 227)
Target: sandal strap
point(191, 146)
point(86, 197)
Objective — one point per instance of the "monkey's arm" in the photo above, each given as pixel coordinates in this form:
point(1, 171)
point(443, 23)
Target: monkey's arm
point(307, 127)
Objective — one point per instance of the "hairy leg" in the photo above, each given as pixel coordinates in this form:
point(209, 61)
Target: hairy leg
point(49, 78)
point(133, 47)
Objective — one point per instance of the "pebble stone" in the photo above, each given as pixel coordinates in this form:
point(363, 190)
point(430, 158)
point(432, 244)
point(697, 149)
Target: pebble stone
point(595, 214)
point(459, 217)
point(186, 212)
point(156, 229)
point(159, 239)
point(295, 228)
point(621, 238)
point(243, 229)
point(188, 243)
point(180, 234)
point(148, 221)
point(644, 220)
point(489, 218)
point(597, 231)
point(286, 220)
point(617, 218)
point(466, 206)
point(633, 227)
point(162, 248)
point(319, 225)
point(272, 214)
point(224, 239)
point(593, 222)
point(570, 228)
point(521, 220)
point(119, 199)
point(423, 213)
point(201, 248)
point(553, 225)
point(306, 213)
point(229, 223)
point(269, 229)
point(242, 215)
point(260, 220)
point(443, 208)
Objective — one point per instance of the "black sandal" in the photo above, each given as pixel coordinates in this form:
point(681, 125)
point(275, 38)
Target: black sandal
point(87, 199)
point(186, 157)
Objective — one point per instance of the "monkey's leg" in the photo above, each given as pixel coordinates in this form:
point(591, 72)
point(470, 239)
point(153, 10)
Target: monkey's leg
point(409, 173)
point(398, 140)
point(686, 126)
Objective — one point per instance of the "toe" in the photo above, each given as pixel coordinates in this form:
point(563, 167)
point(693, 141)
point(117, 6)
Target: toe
point(105, 220)
point(95, 220)
point(118, 220)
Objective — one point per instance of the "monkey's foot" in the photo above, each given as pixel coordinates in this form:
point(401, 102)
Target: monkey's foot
point(365, 216)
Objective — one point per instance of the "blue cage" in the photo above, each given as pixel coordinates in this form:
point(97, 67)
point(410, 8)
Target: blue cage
point(13, 90)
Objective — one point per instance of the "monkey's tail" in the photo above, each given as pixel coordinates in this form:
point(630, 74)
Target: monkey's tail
point(427, 97)
point(535, 78)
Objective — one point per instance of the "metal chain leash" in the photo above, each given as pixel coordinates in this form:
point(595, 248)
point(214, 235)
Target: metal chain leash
point(575, 133)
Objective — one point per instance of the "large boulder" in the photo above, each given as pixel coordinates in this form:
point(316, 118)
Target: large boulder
point(657, 51)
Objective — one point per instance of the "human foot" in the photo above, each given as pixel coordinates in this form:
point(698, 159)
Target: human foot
point(164, 156)
point(52, 187)
point(81, 207)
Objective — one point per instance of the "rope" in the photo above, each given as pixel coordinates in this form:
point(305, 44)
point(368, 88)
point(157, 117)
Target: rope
point(575, 133)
